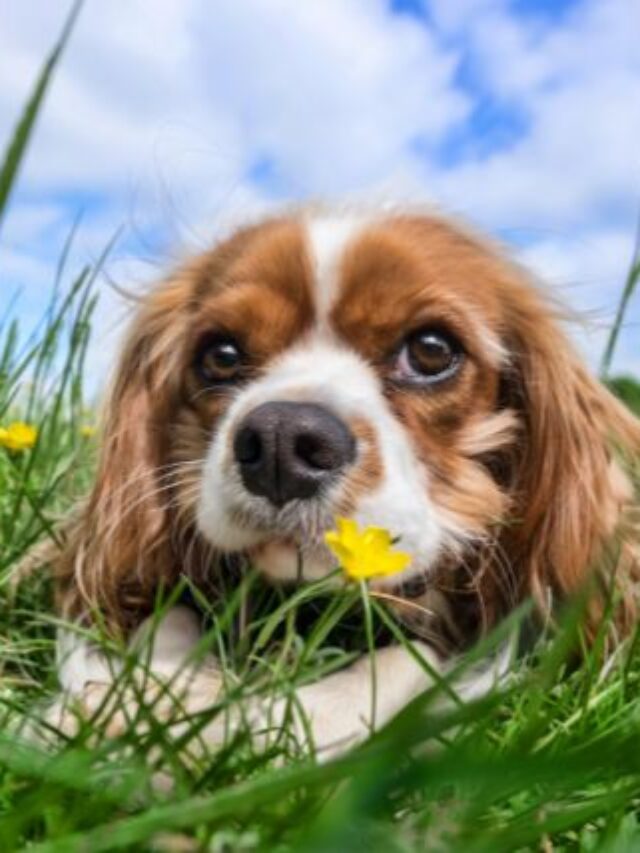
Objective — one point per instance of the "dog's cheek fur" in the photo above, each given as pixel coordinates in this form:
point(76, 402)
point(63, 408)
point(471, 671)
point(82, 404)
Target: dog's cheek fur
point(368, 473)
point(452, 429)
point(466, 463)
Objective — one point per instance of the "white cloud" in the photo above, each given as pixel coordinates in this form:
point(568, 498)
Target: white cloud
point(577, 85)
point(331, 90)
point(160, 111)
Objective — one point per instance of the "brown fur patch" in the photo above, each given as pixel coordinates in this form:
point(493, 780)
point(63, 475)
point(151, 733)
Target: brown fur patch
point(522, 452)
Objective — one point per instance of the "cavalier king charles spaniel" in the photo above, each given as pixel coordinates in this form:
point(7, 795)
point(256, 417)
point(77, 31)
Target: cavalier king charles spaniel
point(391, 368)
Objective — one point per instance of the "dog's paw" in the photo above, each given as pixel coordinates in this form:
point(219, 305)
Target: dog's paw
point(112, 710)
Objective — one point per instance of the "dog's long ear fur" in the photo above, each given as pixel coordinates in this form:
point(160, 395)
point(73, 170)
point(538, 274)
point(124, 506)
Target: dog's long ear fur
point(574, 501)
point(118, 547)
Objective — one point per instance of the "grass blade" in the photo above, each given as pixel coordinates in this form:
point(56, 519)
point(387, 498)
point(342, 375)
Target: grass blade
point(22, 134)
point(633, 276)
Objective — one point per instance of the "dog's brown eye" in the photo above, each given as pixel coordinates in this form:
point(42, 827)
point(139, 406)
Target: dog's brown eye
point(218, 359)
point(427, 356)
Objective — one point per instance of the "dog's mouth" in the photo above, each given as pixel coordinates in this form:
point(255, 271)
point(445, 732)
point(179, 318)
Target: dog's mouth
point(284, 562)
point(289, 560)
point(287, 545)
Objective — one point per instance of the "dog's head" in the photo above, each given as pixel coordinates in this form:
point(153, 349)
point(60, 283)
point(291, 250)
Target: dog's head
point(391, 369)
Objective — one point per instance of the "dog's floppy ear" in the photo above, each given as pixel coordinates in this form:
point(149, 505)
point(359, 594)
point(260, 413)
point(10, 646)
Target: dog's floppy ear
point(118, 548)
point(574, 501)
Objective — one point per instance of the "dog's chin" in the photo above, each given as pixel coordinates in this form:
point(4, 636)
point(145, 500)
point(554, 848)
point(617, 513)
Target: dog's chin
point(286, 557)
point(283, 561)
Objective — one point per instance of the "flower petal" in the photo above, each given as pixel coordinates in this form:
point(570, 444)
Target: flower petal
point(393, 562)
point(348, 530)
point(341, 551)
point(367, 553)
point(377, 538)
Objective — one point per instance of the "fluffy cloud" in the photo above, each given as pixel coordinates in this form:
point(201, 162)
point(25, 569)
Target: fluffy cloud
point(176, 117)
point(576, 85)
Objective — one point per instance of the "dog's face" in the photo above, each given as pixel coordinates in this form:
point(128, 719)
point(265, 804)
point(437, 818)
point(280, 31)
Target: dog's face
point(392, 370)
point(342, 367)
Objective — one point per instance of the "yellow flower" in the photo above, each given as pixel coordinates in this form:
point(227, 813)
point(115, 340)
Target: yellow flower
point(367, 553)
point(87, 431)
point(18, 436)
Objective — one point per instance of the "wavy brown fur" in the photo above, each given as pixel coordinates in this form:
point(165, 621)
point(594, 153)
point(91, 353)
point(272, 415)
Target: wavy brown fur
point(542, 479)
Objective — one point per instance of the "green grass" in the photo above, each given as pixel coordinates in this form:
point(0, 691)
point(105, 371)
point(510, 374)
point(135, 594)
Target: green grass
point(552, 762)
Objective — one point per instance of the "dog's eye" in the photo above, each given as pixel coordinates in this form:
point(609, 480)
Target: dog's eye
point(218, 359)
point(427, 356)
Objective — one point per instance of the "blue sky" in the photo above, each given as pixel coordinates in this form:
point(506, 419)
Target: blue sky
point(175, 119)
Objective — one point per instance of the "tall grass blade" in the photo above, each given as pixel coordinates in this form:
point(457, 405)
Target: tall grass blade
point(633, 276)
point(18, 145)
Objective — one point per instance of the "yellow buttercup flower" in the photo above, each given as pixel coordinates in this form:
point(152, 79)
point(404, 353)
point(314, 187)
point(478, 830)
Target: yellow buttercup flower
point(18, 436)
point(87, 431)
point(365, 553)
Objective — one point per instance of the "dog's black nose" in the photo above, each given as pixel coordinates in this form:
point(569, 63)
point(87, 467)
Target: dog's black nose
point(290, 450)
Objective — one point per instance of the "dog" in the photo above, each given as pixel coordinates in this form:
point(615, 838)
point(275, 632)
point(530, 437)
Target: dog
point(389, 367)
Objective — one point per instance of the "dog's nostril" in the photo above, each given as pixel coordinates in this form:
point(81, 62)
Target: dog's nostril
point(290, 451)
point(316, 453)
point(248, 446)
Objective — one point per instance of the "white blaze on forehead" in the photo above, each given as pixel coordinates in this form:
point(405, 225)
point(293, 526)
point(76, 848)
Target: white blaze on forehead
point(319, 371)
point(328, 237)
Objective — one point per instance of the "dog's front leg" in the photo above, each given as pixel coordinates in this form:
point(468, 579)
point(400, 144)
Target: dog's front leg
point(343, 709)
point(169, 679)
point(335, 714)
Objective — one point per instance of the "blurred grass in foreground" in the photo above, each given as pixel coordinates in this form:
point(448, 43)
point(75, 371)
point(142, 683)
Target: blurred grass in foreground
point(553, 762)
